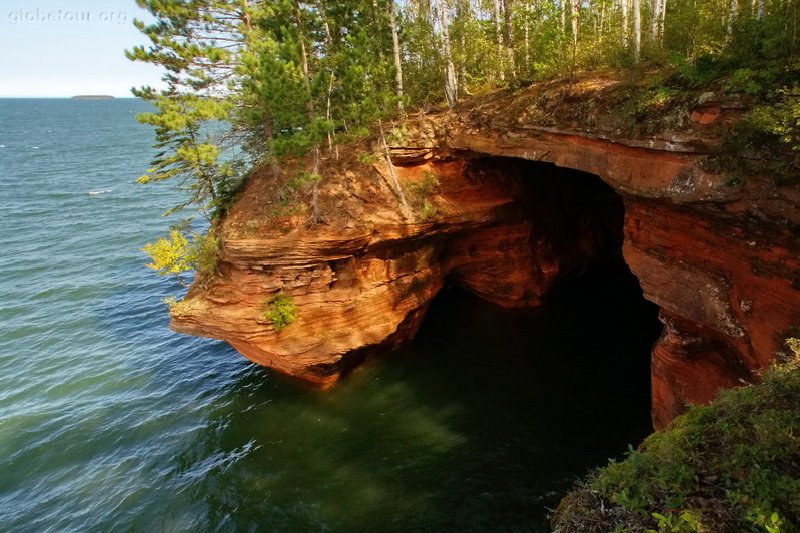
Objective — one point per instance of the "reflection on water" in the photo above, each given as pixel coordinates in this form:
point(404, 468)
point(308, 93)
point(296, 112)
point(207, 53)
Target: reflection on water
point(483, 422)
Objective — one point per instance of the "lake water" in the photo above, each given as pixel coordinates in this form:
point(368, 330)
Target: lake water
point(109, 421)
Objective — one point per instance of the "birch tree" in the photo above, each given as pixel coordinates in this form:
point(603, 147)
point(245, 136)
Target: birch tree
point(575, 20)
point(625, 7)
point(658, 10)
point(637, 30)
point(398, 64)
point(508, 37)
point(732, 13)
point(499, 37)
point(450, 82)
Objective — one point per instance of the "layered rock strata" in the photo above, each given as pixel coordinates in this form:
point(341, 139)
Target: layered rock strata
point(368, 281)
point(721, 262)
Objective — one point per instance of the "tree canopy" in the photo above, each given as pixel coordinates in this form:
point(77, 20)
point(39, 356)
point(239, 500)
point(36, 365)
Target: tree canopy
point(289, 76)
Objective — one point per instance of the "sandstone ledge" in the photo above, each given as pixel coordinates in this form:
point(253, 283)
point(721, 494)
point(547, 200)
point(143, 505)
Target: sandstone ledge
point(720, 262)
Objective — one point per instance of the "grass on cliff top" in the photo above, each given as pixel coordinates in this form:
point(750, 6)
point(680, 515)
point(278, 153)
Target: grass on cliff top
point(732, 466)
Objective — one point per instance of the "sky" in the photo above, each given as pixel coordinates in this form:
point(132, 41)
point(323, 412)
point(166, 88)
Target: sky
point(61, 48)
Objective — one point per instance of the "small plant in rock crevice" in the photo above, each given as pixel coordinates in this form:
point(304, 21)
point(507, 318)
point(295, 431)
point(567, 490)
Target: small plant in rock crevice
point(422, 191)
point(281, 311)
point(367, 158)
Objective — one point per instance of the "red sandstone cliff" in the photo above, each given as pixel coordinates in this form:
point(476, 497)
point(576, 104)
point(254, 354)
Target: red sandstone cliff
point(721, 262)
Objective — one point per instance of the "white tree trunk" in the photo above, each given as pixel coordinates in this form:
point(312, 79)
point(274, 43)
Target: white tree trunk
point(398, 190)
point(527, 44)
point(734, 10)
point(573, 9)
point(304, 57)
point(508, 38)
point(498, 33)
point(655, 6)
point(450, 82)
point(658, 9)
point(625, 5)
point(398, 64)
point(602, 20)
point(637, 30)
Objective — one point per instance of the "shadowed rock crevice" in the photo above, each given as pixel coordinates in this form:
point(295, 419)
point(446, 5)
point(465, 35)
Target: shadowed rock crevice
point(510, 231)
point(562, 222)
point(493, 213)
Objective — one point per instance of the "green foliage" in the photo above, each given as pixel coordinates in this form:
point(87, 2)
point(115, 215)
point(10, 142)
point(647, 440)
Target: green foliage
point(281, 311)
point(421, 192)
point(427, 210)
point(192, 106)
point(205, 253)
point(731, 466)
point(184, 155)
point(170, 255)
point(397, 136)
point(782, 121)
point(176, 307)
point(278, 79)
point(765, 142)
point(683, 522)
point(794, 345)
point(426, 186)
point(178, 253)
point(304, 179)
point(367, 158)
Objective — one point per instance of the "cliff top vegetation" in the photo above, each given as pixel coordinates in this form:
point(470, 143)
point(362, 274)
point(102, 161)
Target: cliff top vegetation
point(249, 83)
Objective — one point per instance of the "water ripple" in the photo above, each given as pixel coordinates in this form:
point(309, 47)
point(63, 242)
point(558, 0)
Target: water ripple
point(110, 421)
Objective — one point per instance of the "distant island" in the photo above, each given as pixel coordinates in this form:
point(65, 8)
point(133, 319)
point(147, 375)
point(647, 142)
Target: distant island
point(93, 97)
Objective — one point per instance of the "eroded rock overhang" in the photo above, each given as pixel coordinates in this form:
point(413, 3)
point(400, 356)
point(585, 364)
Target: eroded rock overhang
point(719, 261)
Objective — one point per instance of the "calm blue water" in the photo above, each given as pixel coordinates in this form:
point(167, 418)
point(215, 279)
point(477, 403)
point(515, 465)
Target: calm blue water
point(109, 421)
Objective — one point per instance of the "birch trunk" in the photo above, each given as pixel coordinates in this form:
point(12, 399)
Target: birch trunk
point(508, 38)
point(655, 6)
point(573, 11)
point(498, 32)
point(625, 5)
point(734, 10)
point(637, 30)
point(398, 64)
point(450, 82)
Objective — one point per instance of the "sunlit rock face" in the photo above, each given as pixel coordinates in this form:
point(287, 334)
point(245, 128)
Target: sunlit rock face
point(506, 230)
point(728, 293)
point(511, 211)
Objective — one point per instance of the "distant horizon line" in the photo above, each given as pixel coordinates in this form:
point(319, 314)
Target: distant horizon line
point(71, 97)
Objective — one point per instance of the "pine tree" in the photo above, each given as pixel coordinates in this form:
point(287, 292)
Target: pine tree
point(196, 42)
